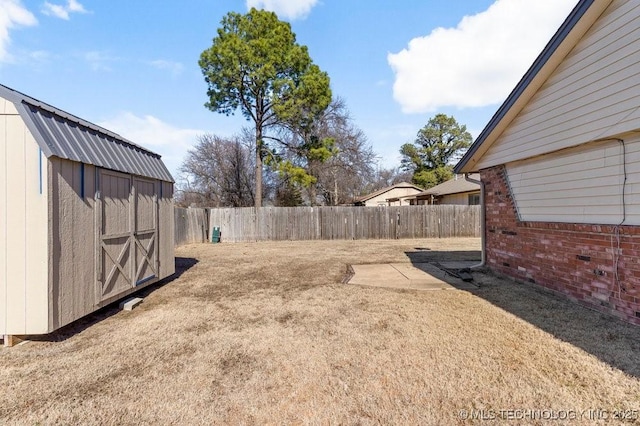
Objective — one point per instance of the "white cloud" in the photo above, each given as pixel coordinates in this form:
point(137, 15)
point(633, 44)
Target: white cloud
point(156, 135)
point(12, 15)
point(289, 9)
point(480, 61)
point(175, 68)
point(62, 11)
point(99, 61)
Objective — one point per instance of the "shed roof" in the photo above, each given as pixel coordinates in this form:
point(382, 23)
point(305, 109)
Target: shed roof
point(374, 194)
point(63, 135)
point(453, 186)
point(572, 29)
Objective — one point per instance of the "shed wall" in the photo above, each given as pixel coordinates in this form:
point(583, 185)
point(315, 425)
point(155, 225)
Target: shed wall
point(74, 287)
point(23, 227)
point(166, 230)
point(73, 241)
point(594, 93)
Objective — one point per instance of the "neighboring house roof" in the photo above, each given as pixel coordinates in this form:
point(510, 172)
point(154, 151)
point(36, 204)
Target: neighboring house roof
point(64, 135)
point(374, 194)
point(453, 186)
point(574, 27)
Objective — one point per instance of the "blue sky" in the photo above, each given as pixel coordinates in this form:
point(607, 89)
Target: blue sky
point(131, 66)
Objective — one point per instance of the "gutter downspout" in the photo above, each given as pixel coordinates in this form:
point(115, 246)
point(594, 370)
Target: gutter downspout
point(482, 221)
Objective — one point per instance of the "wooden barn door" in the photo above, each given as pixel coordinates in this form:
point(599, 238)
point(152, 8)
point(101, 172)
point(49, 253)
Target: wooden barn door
point(145, 231)
point(115, 226)
point(127, 233)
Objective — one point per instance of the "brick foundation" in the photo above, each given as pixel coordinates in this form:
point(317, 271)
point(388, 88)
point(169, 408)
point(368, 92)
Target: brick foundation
point(595, 265)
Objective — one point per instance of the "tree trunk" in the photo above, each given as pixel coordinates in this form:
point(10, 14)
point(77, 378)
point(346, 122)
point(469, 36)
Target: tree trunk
point(258, 197)
point(313, 188)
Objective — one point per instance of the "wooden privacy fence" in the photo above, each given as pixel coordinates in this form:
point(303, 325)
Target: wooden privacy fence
point(344, 223)
point(191, 226)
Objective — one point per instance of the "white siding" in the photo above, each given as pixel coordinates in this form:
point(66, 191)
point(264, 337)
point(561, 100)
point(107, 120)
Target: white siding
point(594, 93)
point(579, 185)
point(23, 228)
point(3, 219)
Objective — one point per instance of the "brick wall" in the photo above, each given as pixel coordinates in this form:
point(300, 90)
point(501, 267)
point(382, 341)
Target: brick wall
point(596, 265)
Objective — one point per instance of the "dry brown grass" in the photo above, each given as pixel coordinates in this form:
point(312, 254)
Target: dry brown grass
point(265, 333)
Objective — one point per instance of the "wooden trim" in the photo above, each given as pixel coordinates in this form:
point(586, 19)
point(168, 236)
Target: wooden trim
point(133, 204)
point(98, 234)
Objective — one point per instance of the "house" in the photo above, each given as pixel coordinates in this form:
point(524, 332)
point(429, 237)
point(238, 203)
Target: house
point(560, 164)
point(460, 190)
point(380, 197)
point(86, 217)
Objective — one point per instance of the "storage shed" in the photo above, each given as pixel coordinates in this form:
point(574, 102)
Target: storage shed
point(86, 217)
point(560, 164)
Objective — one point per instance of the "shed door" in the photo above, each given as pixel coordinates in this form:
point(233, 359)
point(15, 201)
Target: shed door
point(128, 233)
point(146, 230)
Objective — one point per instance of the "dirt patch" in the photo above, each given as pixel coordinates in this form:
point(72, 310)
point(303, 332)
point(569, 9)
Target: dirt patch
point(267, 333)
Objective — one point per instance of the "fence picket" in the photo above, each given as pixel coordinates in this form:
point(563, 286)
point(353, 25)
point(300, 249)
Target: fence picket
point(195, 225)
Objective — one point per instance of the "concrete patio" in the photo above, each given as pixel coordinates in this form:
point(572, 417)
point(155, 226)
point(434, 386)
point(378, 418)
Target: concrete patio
point(413, 276)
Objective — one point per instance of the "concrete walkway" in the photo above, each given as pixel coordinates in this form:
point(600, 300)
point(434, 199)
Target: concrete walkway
point(414, 276)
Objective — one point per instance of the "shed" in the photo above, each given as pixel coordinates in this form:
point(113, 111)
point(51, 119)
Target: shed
point(86, 217)
point(560, 164)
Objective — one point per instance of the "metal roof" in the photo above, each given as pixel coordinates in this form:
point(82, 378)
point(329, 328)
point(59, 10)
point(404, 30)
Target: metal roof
point(63, 135)
point(567, 26)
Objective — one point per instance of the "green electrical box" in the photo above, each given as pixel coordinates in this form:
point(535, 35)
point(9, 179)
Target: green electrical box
point(215, 236)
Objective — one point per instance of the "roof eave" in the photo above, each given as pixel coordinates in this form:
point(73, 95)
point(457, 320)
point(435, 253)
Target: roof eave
point(550, 57)
point(20, 99)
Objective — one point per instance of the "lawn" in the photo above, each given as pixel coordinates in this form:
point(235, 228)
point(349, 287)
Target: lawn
point(267, 333)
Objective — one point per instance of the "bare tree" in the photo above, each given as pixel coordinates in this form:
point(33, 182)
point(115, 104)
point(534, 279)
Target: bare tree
point(327, 162)
point(219, 172)
point(347, 173)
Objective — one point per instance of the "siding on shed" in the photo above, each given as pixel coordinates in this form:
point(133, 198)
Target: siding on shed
point(49, 218)
point(593, 94)
point(166, 230)
point(72, 236)
point(23, 227)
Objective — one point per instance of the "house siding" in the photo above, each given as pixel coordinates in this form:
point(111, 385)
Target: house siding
point(593, 94)
point(381, 200)
point(461, 199)
point(597, 265)
point(581, 185)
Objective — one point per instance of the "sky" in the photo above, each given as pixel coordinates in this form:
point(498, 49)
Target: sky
point(132, 66)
